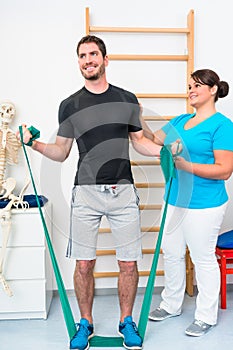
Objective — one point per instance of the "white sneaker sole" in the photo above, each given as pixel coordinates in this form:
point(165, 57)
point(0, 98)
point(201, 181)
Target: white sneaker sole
point(193, 334)
point(88, 345)
point(127, 347)
point(163, 318)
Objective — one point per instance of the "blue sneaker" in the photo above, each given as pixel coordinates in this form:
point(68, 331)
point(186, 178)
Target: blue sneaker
point(128, 331)
point(84, 333)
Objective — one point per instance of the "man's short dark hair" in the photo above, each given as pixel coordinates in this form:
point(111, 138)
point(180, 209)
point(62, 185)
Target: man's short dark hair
point(93, 39)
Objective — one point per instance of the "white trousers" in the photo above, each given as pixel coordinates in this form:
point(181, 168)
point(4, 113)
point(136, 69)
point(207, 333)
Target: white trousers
point(198, 229)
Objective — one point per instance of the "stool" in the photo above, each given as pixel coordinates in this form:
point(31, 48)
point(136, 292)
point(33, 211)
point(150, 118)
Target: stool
point(224, 253)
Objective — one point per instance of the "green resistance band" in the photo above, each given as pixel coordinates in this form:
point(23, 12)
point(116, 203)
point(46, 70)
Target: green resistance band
point(168, 168)
point(167, 164)
point(98, 341)
point(69, 320)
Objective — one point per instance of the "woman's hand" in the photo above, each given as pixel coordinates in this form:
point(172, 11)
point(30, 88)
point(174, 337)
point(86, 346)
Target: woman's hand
point(183, 164)
point(221, 169)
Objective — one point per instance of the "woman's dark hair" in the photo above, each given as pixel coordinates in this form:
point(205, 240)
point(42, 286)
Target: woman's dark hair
point(93, 39)
point(210, 78)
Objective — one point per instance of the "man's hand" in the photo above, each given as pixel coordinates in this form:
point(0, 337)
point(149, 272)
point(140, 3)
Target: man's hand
point(176, 147)
point(26, 134)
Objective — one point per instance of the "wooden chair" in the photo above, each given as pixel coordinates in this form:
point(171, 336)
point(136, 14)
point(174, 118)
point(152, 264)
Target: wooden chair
point(224, 253)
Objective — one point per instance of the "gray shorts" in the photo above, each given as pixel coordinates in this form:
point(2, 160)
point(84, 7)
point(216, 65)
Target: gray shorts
point(120, 205)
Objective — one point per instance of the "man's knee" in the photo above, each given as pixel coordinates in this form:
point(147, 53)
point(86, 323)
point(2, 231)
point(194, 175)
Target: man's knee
point(127, 266)
point(84, 267)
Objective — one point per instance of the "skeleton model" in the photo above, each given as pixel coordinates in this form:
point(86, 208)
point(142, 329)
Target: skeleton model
point(9, 146)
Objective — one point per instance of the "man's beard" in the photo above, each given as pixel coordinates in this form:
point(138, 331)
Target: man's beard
point(95, 76)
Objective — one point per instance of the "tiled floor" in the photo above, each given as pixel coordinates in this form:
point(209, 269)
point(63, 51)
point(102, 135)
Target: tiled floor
point(51, 334)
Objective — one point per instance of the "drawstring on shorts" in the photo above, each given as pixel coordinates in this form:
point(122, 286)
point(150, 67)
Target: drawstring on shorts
point(111, 188)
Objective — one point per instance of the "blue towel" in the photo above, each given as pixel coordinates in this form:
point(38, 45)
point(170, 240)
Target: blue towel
point(30, 198)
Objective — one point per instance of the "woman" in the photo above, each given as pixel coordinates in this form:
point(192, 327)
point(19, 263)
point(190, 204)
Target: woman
point(197, 201)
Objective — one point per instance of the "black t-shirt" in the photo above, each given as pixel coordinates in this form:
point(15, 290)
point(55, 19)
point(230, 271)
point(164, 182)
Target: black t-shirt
point(100, 123)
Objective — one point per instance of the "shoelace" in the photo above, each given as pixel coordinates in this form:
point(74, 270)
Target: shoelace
point(131, 328)
point(82, 330)
point(200, 323)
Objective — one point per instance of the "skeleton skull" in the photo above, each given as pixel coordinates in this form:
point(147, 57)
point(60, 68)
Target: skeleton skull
point(7, 112)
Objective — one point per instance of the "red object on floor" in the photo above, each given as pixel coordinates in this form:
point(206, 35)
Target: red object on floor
point(224, 257)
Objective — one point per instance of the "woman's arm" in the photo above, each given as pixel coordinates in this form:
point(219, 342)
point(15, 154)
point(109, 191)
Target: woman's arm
point(157, 137)
point(220, 170)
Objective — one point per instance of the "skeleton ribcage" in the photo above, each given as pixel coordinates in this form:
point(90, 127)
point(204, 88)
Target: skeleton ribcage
point(8, 153)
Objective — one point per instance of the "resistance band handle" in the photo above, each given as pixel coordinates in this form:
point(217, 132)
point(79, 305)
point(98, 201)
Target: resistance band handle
point(35, 135)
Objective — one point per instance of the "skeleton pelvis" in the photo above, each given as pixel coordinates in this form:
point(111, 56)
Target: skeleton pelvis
point(7, 187)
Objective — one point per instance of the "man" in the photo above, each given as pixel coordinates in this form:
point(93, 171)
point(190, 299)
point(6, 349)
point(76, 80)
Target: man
point(102, 118)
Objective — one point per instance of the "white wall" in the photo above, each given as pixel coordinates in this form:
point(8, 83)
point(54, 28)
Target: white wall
point(38, 69)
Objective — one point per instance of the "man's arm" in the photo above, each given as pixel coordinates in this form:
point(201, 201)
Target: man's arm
point(144, 145)
point(157, 137)
point(147, 147)
point(57, 151)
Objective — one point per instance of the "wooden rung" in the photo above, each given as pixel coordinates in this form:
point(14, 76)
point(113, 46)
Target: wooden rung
point(104, 230)
point(138, 30)
point(149, 185)
point(150, 229)
point(139, 95)
point(117, 57)
point(150, 206)
point(116, 274)
point(145, 162)
point(146, 273)
point(149, 251)
point(104, 252)
point(158, 117)
point(143, 229)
